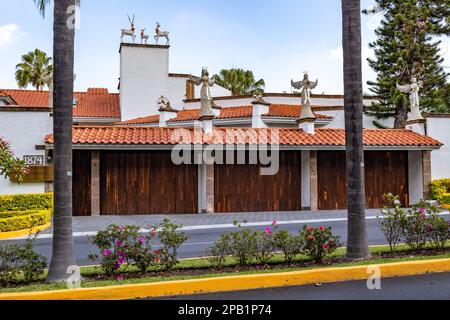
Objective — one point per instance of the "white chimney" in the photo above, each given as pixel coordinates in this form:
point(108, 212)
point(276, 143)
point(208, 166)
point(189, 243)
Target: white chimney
point(260, 108)
point(166, 112)
point(144, 77)
point(308, 125)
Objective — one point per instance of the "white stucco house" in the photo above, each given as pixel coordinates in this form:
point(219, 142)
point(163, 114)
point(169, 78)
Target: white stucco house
point(113, 127)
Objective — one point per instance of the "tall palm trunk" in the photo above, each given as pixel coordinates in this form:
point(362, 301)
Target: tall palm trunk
point(63, 55)
point(357, 247)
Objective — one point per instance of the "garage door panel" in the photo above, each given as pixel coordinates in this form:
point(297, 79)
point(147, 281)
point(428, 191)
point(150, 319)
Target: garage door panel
point(384, 172)
point(241, 188)
point(81, 183)
point(140, 182)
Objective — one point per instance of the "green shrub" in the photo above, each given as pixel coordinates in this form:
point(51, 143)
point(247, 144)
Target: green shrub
point(243, 245)
point(439, 189)
point(20, 212)
point(391, 221)
point(20, 260)
point(115, 244)
point(445, 199)
point(25, 220)
point(438, 231)
point(218, 253)
point(318, 242)
point(26, 202)
point(265, 246)
point(416, 225)
point(290, 245)
point(171, 240)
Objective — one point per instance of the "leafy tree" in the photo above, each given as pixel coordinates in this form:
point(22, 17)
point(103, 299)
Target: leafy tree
point(10, 166)
point(407, 47)
point(33, 69)
point(239, 81)
point(63, 78)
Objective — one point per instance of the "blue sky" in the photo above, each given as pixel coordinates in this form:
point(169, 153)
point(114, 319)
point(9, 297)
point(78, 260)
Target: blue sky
point(277, 39)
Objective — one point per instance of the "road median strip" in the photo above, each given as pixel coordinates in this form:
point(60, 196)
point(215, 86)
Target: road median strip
point(238, 283)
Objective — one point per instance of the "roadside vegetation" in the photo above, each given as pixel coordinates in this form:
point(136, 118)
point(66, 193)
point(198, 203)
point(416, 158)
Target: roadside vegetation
point(128, 256)
point(22, 212)
point(440, 191)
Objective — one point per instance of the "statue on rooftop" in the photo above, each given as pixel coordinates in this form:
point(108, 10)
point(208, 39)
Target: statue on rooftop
point(414, 99)
point(206, 98)
point(161, 34)
point(306, 86)
point(129, 32)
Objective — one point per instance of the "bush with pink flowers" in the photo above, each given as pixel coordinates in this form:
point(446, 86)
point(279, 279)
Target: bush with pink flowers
point(120, 247)
point(422, 224)
point(318, 242)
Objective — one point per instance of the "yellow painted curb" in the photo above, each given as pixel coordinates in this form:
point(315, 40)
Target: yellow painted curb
point(236, 283)
point(21, 233)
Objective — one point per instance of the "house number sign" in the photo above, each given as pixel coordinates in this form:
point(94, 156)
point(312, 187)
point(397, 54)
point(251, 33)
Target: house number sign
point(34, 160)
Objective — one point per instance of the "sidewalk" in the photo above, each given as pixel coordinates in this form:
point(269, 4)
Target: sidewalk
point(94, 224)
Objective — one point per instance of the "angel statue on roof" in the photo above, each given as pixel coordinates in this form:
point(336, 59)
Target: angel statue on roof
point(414, 99)
point(306, 86)
point(206, 98)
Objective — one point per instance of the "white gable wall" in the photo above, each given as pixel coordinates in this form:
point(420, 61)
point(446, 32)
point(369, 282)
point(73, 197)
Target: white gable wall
point(438, 128)
point(24, 130)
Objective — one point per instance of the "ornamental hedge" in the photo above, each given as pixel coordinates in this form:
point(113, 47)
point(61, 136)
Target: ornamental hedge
point(20, 212)
point(440, 191)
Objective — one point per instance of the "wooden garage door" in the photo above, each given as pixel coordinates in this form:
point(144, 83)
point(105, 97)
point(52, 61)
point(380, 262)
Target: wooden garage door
point(384, 172)
point(332, 181)
point(134, 183)
point(81, 183)
point(241, 188)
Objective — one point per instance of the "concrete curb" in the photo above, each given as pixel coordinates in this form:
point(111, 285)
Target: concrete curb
point(237, 283)
point(16, 234)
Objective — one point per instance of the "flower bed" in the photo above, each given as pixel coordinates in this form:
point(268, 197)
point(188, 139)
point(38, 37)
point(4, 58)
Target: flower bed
point(20, 212)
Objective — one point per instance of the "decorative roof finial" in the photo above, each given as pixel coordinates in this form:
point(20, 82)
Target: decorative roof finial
point(306, 86)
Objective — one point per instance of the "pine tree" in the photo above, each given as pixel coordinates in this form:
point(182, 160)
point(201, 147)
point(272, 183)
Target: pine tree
point(407, 47)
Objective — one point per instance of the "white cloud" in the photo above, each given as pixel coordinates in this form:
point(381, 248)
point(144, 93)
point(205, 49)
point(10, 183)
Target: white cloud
point(8, 33)
point(337, 54)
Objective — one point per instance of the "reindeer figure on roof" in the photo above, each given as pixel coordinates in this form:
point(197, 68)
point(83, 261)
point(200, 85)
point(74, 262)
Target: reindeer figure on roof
point(129, 32)
point(144, 37)
point(161, 34)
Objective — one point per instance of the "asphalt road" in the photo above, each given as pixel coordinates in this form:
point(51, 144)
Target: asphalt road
point(200, 240)
point(427, 287)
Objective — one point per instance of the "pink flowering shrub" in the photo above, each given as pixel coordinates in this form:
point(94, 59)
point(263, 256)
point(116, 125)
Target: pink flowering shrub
point(318, 242)
point(122, 246)
point(423, 224)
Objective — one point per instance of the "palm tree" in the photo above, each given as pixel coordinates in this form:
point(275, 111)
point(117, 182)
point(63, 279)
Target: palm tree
point(33, 69)
point(239, 81)
point(63, 77)
point(357, 245)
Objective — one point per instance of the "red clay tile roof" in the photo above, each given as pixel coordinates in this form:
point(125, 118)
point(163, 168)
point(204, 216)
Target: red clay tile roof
point(144, 120)
point(186, 115)
point(95, 103)
point(287, 137)
point(290, 111)
point(236, 112)
point(287, 111)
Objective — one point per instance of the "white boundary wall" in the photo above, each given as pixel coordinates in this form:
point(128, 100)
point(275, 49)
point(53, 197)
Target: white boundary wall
point(439, 128)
